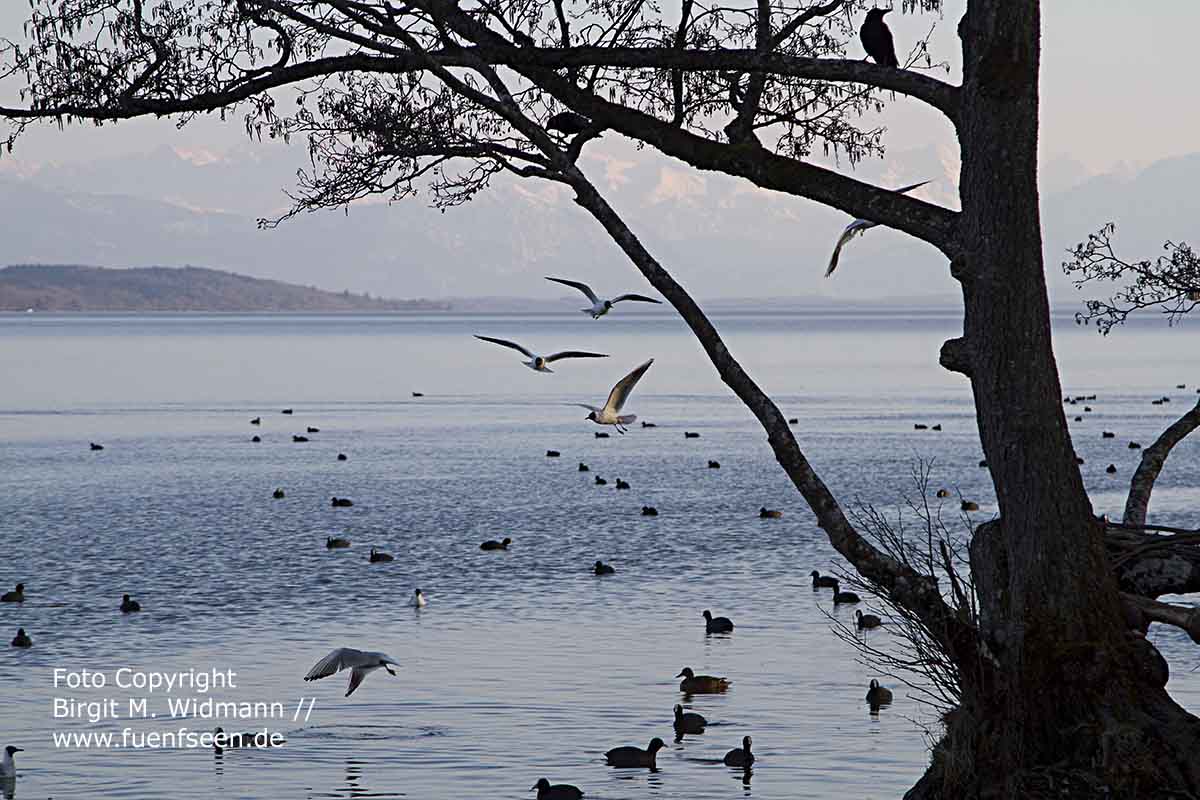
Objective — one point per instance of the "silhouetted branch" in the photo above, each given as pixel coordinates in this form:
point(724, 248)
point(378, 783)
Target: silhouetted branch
point(1169, 283)
point(1153, 459)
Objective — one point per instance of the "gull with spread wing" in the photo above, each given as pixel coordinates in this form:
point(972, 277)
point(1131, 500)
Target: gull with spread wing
point(611, 413)
point(360, 663)
point(857, 227)
point(601, 307)
point(538, 363)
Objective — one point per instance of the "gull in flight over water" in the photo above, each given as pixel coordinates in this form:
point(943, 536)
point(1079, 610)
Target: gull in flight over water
point(538, 363)
point(601, 307)
point(611, 413)
point(857, 227)
point(360, 663)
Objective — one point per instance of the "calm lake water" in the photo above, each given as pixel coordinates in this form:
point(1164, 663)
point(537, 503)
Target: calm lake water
point(524, 664)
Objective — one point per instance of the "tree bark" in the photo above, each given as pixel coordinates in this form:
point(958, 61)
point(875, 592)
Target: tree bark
point(1070, 703)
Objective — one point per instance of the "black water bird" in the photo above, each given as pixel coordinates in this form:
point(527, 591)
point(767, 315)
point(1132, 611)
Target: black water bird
point(844, 598)
point(877, 38)
point(129, 605)
point(336, 542)
point(600, 568)
point(687, 722)
point(17, 595)
point(741, 756)
point(492, 544)
point(600, 481)
point(635, 756)
point(94, 446)
point(377, 556)
point(716, 624)
point(649, 511)
point(865, 621)
point(556, 791)
point(877, 695)
point(714, 464)
point(22, 639)
point(340, 502)
point(823, 581)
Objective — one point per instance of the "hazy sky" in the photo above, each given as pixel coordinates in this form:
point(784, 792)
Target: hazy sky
point(1118, 93)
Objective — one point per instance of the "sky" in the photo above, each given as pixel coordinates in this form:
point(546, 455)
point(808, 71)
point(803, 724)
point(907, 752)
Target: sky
point(1118, 96)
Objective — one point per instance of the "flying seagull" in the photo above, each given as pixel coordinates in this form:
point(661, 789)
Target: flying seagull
point(856, 227)
point(361, 664)
point(877, 38)
point(601, 307)
point(538, 363)
point(611, 413)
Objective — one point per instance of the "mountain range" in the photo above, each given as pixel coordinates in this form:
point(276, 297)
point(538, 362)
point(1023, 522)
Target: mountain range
point(720, 236)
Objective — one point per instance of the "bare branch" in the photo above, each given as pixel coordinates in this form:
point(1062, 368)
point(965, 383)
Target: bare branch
point(1169, 283)
point(1153, 459)
point(1186, 618)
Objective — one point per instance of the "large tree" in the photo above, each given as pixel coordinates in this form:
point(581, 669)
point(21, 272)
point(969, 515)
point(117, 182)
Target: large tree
point(1056, 694)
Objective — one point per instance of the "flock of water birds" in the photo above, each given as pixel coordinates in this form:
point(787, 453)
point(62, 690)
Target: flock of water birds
point(361, 663)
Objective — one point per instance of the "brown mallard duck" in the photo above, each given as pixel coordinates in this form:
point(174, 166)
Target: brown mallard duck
point(700, 684)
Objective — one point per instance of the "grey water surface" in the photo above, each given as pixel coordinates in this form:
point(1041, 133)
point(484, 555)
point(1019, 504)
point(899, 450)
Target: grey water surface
point(524, 664)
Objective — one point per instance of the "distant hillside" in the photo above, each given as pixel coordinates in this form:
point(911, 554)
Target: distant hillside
point(75, 288)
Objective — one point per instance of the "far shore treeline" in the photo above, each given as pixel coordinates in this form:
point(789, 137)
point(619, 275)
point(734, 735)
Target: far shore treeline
point(44, 287)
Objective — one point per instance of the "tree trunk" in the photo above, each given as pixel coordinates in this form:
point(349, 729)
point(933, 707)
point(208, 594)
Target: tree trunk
point(1073, 706)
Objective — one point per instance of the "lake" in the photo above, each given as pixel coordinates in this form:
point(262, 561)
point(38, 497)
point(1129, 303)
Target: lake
point(524, 664)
